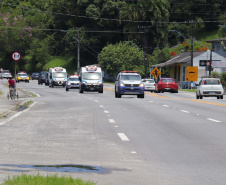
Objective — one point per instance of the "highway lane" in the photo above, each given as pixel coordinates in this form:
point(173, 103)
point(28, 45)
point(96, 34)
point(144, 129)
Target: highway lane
point(161, 139)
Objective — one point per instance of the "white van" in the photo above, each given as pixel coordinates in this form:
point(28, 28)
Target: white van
point(91, 79)
point(57, 77)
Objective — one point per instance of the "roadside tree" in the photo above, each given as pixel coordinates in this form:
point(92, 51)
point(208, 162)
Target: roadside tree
point(121, 57)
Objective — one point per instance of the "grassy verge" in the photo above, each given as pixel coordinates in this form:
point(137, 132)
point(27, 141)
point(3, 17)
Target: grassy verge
point(188, 90)
point(32, 95)
point(1, 93)
point(48, 180)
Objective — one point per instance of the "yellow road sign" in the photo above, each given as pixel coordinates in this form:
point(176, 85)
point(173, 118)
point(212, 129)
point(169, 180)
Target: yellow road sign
point(191, 73)
point(155, 72)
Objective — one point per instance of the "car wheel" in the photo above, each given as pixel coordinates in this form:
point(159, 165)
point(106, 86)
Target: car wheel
point(140, 96)
point(101, 91)
point(197, 97)
point(200, 97)
point(81, 90)
point(67, 89)
point(222, 97)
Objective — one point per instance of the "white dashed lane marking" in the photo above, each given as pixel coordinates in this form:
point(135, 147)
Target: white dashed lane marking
point(185, 111)
point(111, 120)
point(210, 119)
point(165, 105)
point(106, 112)
point(123, 137)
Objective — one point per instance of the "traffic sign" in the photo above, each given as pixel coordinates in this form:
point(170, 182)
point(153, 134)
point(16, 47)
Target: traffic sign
point(191, 73)
point(155, 72)
point(16, 56)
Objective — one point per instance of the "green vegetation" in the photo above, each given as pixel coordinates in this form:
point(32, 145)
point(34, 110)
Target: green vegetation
point(61, 62)
point(46, 34)
point(207, 35)
point(1, 93)
point(188, 90)
point(48, 180)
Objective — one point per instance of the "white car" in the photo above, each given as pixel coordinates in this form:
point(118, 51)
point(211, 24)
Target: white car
point(6, 74)
point(149, 84)
point(210, 87)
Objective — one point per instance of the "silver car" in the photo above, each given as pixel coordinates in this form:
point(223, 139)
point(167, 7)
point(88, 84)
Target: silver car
point(210, 87)
point(6, 74)
point(149, 84)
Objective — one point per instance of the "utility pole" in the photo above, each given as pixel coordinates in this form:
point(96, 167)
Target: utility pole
point(78, 62)
point(192, 44)
point(78, 41)
point(211, 56)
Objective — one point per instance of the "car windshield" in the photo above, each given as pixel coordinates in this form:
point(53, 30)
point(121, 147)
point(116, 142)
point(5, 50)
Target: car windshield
point(211, 82)
point(167, 80)
point(131, 77)
point(91, 76)
point(73, 79)
point(23, 74)
point(59, 75)
point(148, 81)
point(35, 73)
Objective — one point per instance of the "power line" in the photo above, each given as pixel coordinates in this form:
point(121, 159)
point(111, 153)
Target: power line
point(86, 31)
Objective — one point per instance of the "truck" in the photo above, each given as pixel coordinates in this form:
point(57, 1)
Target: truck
point(91, 79)
point(57, 77)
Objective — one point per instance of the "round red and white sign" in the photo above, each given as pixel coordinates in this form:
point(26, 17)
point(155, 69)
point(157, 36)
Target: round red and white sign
point(16, 56)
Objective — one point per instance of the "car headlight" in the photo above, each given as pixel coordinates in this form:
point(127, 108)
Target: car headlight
point(100, 82)
point(68, 83)
point(122, 84)
point(141, 85)
point(84, 82)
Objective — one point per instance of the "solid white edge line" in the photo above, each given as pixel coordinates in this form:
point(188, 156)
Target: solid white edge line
point(36, 94)
point(123, 137)
point(17, 114)
point(165, 105)
point(214, 120)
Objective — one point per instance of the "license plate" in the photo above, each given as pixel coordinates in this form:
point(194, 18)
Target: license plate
point(91, 89)
point(211, 92)
point(167, 88)
point(132, 88)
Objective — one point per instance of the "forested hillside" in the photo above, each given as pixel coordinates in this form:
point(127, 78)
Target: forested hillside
point(45, 29)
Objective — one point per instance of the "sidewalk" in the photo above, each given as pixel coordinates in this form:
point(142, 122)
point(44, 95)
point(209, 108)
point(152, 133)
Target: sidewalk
point(8, 105)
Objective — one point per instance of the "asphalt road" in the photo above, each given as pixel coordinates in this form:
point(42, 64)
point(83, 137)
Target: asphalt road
point(163, 139)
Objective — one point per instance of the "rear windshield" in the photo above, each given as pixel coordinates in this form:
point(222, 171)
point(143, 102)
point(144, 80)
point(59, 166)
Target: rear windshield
point(148, 81)
point(167, 80)
point(211, 82)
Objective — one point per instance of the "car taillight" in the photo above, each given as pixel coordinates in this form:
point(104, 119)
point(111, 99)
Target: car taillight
point(203, 82)
point(154, 84)
point(219, 82)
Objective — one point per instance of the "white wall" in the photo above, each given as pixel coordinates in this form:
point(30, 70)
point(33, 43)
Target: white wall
point(221, 61)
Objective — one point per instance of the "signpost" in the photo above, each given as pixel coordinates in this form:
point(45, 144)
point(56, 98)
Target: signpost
point(16, 56)
point(191, 73)
point(155, 72)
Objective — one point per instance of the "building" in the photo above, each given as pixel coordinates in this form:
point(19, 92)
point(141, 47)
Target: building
point(177, 65)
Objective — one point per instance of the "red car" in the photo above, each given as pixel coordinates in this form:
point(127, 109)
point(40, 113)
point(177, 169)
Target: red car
point(166, 85)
